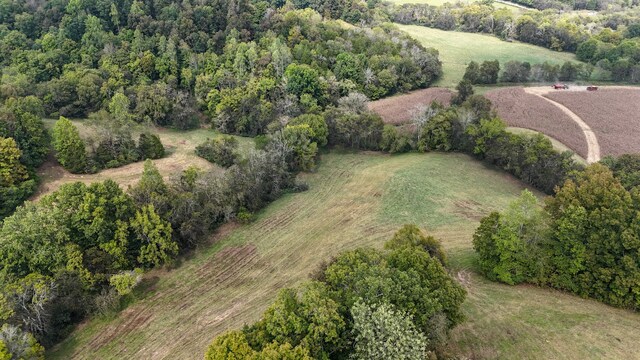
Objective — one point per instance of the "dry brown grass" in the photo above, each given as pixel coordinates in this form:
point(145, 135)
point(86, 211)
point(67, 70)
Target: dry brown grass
point(399, 109)
point(612, 113)
point(523, 110)
point(180, 146)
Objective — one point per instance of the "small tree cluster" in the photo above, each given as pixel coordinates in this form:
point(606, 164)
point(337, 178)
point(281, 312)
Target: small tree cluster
point(221, 150)
point(115, 148)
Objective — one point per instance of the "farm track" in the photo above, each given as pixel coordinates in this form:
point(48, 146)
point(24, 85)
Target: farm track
point(611, 112)
point(593, 152)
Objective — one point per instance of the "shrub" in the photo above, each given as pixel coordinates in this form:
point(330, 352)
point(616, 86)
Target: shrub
point(150, 146)
point(221, 150)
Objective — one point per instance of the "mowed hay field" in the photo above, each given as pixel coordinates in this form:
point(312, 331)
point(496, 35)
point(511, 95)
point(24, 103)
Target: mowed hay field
point(523, 110)
point(400, 109)
point(180, 154)
point(357, 199)
point(457, 49)
point(612, 113)
point(497, 4)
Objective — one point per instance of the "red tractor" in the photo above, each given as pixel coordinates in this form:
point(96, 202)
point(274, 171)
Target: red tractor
point(560, 86)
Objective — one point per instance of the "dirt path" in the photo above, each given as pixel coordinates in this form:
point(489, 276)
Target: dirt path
point(593, 153)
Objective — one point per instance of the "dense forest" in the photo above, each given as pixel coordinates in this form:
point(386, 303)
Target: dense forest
point(177, 64)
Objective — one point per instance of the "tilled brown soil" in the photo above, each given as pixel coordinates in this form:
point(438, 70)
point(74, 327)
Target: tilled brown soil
point(520, 109)
point(400, 108)
point(612, 114)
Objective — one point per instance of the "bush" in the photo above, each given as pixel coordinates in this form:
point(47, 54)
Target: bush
point(116, 152)
point(222, 150)
point(516, 72)
point(107, 303)
point(244, 216)
point(150, 146)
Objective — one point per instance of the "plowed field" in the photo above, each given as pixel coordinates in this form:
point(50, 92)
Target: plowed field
point(400, 108)
point(612, 113)
point(524, 110)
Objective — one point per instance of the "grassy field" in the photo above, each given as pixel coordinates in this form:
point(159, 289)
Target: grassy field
point(357, 200)
point(180, 147)
point(457, 49)
point(498, 4)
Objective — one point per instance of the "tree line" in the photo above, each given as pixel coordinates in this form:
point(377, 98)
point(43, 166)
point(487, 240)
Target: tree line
point(488, 72)
point(608, 41)
point(469, 125)
point(396, 303)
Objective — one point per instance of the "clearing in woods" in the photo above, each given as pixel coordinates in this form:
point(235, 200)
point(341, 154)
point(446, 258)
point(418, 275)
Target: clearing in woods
point(457, 49)
point(357, 199)
point(179, 146)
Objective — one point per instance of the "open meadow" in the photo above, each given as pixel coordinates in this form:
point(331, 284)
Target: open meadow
point(457, 49)
point(357, 199)
point(497, 4)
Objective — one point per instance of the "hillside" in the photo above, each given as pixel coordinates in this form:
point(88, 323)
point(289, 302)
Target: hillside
point(457, 49)
point(497, 4)
point(357, 200)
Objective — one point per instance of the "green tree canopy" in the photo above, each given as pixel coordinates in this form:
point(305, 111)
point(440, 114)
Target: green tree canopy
point(69, 147)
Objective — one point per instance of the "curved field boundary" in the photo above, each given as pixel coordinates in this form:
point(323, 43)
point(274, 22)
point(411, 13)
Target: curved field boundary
point(557, 144)
point(523, 110)
point(612, 112)
point(593, 152)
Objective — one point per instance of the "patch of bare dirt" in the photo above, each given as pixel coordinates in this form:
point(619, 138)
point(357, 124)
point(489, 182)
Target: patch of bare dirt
point(399, 109)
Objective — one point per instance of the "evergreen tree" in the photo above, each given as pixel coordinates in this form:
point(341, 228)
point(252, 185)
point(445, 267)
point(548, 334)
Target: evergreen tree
point(69, 147)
